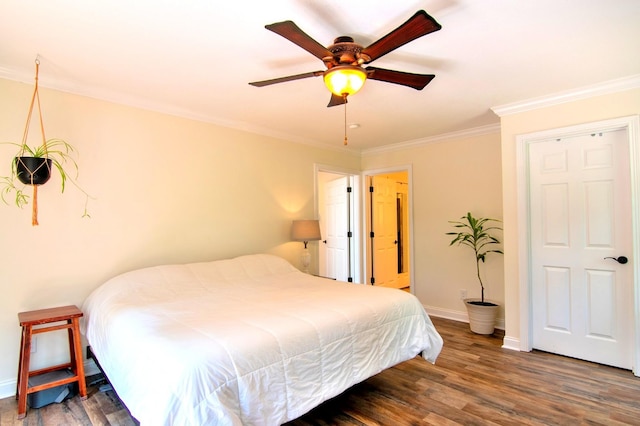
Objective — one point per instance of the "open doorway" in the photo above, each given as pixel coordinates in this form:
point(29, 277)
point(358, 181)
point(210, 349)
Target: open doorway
point(388, 229)
point(349, 212)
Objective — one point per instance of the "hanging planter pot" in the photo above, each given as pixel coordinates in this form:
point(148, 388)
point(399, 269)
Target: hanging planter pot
point(33, 170)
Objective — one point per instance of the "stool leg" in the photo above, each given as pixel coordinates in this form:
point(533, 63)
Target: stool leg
point(72, 347)
point(23, 371)
point(20, 362)
point(76, 357)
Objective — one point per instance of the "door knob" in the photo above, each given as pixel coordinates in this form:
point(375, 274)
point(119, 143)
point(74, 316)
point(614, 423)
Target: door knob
point(324, 241)
point(622, 259)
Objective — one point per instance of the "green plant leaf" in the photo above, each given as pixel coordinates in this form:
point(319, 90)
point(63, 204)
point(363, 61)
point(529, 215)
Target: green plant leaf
point(478, 237)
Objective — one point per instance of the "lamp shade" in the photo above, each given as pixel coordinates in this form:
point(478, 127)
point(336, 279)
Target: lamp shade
point(345, 79)
point(305, 230)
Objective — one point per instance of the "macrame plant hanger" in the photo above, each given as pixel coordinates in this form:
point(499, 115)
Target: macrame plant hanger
point(35, 98)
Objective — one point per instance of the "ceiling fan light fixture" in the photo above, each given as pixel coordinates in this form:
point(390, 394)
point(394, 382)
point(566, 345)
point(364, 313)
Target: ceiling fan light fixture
point(344, 80)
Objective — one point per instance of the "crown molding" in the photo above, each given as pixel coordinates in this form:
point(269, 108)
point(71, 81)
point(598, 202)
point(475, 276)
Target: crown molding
point(136, 102)
point(162, 108)
point(605, 88)
point(611, 86)
point(467, 133)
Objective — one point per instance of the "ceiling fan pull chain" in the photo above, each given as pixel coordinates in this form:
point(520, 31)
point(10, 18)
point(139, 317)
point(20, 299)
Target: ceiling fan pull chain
point(344, 96)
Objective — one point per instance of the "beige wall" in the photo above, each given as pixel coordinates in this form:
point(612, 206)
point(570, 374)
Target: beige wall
point(571, 113)
point(450, 178)
point(166, 190)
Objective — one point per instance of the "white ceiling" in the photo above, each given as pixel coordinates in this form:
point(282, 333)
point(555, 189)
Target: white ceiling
point(195, 59)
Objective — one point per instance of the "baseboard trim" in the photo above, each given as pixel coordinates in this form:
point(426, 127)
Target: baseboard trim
point(456, 315)
point(511, 343)
point(8, 387)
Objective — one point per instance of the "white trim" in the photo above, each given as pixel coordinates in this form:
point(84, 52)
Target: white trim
point(165, 108)
point(467, 133)
point(449, 314)
point(511, 343)
point(523, 243)
point(633, 129)
point(460, 316)
point(604, 88)
point(8, 388)
point(632, 125)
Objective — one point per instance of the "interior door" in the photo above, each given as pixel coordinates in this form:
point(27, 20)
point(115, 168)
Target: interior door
point(580, 213)
point(384, 227)
point(334, 217)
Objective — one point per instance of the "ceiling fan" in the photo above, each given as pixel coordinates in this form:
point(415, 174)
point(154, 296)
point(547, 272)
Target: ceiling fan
point(344, 59)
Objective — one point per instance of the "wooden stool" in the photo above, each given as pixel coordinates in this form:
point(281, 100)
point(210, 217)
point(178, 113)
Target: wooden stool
point(71, 316)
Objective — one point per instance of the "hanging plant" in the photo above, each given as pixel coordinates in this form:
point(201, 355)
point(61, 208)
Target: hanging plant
point(32, 166)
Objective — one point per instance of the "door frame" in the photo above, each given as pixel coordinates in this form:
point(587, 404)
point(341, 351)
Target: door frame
point(632, 125)
point(366, 174)
point(356, 250)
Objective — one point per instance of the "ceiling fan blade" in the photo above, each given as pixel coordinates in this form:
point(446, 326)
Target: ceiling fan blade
point(416, 81)
point(285, 79)
point(293, 33)
point(336, 100)
point(418, 25)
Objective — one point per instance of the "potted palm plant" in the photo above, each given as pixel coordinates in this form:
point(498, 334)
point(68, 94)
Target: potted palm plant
point(476, 233)
point(33, 165)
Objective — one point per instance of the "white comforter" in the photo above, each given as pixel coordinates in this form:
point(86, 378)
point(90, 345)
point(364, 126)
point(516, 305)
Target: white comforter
point(249, 340)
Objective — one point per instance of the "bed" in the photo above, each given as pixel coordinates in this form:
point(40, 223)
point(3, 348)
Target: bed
point(249, 340)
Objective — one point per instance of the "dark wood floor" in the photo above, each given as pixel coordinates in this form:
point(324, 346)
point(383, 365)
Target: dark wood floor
point(474, 382)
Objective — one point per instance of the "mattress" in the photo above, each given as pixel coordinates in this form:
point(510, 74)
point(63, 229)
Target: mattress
point(249, 340)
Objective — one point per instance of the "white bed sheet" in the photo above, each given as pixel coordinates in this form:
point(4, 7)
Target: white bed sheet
point(249, 340)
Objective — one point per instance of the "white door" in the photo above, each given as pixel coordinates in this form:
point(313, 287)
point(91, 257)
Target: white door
point(580, 215)
point(385, 231)
point(334, 217)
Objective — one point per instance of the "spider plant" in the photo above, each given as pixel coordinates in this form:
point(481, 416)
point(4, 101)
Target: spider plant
point(59, 152)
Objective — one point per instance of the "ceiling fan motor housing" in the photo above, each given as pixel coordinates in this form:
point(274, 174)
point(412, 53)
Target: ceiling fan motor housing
point(345, 52)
